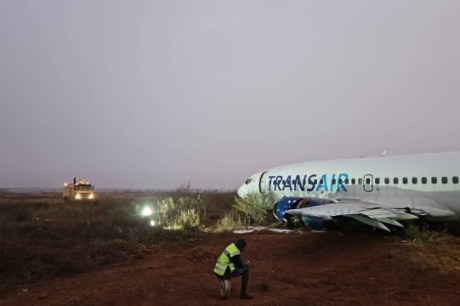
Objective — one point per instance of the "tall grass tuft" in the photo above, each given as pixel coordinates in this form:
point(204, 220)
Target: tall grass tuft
point(254, 209)
point(177, 213)
point(230, 222)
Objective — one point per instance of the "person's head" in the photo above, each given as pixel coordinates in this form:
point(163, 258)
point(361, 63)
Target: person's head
point(240, 244)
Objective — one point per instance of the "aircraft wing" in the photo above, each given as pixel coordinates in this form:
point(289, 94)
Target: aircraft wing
point(365, 212)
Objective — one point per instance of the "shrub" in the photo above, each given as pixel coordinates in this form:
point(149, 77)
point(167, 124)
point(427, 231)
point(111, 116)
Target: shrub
point(177, 213)
point(229, 222)
point(255, 207)
point(422, 233)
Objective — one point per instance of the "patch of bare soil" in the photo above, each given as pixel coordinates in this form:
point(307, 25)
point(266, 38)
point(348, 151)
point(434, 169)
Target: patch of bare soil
point(286, 269)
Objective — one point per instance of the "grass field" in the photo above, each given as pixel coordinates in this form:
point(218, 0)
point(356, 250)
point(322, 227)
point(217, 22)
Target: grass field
point(41, 237)
point(46, 245)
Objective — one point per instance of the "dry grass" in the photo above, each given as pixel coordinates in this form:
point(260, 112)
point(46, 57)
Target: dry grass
point(41, 237)
point(431, 250)
point(255, 209)
point(229, 222)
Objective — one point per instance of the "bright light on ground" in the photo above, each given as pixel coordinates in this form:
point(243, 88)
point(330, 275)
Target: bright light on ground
point(147, 211)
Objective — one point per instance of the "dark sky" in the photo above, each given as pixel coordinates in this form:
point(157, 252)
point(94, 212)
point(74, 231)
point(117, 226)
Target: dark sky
point(155, 94)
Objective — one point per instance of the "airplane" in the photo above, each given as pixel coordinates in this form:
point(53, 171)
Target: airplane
point(384, 192)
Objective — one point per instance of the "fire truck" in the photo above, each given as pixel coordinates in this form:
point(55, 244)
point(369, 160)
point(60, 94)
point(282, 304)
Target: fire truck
point(80, 190)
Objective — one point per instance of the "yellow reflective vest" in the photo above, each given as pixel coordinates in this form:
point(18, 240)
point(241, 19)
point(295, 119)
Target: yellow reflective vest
point(224, 260)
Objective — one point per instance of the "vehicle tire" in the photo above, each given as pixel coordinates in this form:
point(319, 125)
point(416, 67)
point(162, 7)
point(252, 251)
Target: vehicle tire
point(294, 221)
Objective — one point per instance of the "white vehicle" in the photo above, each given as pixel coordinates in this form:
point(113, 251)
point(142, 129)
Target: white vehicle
point(79, 191)
point(381, 192)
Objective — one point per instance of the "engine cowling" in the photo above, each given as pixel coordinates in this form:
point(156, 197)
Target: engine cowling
point(286, 203)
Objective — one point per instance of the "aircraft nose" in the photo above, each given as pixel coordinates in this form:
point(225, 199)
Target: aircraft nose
point(247, 188)
point(242, 191)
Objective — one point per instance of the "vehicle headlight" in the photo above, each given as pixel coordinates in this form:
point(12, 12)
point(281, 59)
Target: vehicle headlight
point(77, 196)
point(91, 196)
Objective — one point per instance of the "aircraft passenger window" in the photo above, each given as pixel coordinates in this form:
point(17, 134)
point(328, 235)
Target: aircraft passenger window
point(334, 181)
point(455, 180)
point(395, 180)
point(377, 180)
point(444, 180)
point(414, 180)
point(434, 180)
point(340, 181)
point(360, 181)
point(387, 180)
point(405, 180)
point(353, 181)
point(347, 181)
point(315, 182)
point(368, 181)
point(424, 180)
point(321, 181)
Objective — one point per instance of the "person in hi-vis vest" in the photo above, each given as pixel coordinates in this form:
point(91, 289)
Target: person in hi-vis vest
point(229, 265)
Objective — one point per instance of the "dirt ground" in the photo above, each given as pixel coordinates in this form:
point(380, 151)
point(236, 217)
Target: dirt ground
point(300, 268)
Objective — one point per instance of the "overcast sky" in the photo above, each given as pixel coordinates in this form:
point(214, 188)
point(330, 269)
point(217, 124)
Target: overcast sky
point(155, 94)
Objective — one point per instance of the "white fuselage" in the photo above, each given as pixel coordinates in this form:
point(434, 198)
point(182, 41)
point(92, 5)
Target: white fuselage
point(428, 182)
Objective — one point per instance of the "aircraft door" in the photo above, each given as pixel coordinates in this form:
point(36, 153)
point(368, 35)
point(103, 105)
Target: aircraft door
point(368, 183)
point(263, 182)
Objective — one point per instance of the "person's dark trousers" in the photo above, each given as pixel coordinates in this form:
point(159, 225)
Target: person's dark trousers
point(244, 272)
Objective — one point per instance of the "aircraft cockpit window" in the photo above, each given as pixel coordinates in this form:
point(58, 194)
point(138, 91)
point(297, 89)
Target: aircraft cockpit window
point(434, 180)
point(455, 180)
point(424, 180)
point(395, 180)
point(405, 180)
point(248, 181)
point(414, 180)
point(387, 180)
point(444, 180)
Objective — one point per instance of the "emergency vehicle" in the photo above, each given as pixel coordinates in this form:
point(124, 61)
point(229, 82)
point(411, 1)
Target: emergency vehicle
point(80, 190)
